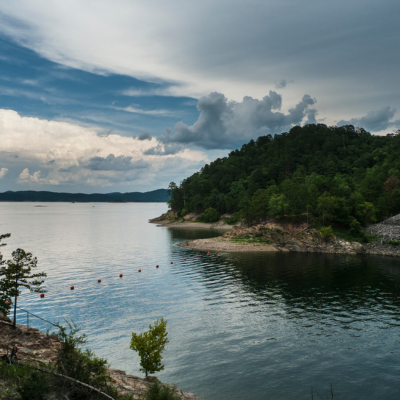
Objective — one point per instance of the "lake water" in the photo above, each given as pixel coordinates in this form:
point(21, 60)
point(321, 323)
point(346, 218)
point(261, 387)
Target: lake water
point(241, 326)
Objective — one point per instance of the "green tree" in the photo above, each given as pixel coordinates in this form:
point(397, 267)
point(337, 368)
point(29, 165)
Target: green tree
point(209, 215)
point(18, 274)
point(5, 299)
point(150, 345)
point(277, 206)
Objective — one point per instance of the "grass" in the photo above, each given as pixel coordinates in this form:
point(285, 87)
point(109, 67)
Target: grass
point(250, 239)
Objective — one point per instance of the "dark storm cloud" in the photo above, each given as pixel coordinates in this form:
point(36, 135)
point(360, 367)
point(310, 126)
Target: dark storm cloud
point(112, 163)
point(224, 124)
point(281, 84)
point(144, 135)
point(374, 121)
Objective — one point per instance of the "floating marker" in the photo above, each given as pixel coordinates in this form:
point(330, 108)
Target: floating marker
point(120, 275)
point(72, 287)
point(41, 295)
point(139, 270)
point(184, 259)
point(99, 280)
point(219, 251)
point(196, 255)
point(171, 262)
point(157, 266)
point(208, 253)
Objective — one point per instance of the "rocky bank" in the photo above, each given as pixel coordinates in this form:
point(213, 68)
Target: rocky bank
point(35, 346)
point(272, 236)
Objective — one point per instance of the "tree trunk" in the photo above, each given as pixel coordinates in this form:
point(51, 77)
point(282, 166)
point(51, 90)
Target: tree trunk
point(15, 305)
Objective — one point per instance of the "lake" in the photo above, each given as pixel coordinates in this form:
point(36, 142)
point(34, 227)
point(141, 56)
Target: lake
point(241, 326)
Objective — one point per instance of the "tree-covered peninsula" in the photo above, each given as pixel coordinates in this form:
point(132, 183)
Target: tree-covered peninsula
point(339, 176)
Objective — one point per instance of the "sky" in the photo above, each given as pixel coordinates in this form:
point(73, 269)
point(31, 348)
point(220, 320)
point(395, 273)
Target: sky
point(103, 96)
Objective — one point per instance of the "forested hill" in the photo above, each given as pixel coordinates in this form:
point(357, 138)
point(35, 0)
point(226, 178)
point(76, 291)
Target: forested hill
point(159, 195)
point(341, 176)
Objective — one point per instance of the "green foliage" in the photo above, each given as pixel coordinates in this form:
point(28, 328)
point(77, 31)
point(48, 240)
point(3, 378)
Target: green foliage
point(35, 387)
point(79, 364)
point(5, 299)
point(326, 233)
point(18, 274)
point(250, 239)
point(317, 174)
point(150, 345)
point(160, 392)
point(209, 215)
point(235, 218)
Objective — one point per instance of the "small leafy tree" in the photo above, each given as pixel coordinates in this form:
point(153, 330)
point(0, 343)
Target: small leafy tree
point(326, 233)
point(150, 345)
point(18, 274)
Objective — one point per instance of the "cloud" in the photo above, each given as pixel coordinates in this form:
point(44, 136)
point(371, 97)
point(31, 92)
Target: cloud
point(224, 124)
point(374, 121)
point(112, 163)
point(3, 172)
point(159, 112)
point(144, 136)
point(53, 153)
point(281, 84)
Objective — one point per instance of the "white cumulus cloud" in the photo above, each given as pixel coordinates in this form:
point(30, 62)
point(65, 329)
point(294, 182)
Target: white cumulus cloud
point(61, 153)
point(3, 172)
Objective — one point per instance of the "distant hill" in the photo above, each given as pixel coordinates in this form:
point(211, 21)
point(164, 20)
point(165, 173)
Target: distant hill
point(159, 195)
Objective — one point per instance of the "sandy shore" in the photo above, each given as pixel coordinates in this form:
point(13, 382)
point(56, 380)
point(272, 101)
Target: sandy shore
point(225, 245)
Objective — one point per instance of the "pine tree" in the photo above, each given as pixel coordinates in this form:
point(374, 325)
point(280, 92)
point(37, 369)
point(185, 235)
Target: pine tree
point(18, 274)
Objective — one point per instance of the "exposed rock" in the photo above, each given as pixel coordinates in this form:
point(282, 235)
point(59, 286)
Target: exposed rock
point(4, 318)
point(168, 216)
point(31, 343)
point(388, 229)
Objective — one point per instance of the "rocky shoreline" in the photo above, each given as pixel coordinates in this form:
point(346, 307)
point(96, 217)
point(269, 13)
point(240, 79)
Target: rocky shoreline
point(35, 346)
point(286, 237)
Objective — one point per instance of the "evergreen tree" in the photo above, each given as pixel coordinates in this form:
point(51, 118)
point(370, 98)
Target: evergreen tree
point(18, 274)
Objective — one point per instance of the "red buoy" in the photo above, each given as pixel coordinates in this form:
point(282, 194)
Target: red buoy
point(139, 270)
point(41, 295)
point(171, 262)
point(156, 266)
point(196, 255)
point(208, 253)
point(219, 251)
point(99, 280)
point(120, 275)
point(72, 287)
point(184, 259)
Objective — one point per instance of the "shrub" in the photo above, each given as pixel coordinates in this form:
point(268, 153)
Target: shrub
point(157, 392)
point(356, 229)
point(36, 387)
point(233, 219)
point(326, 233)
point(209, 215)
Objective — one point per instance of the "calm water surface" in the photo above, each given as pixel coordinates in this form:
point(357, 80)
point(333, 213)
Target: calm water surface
point(241, 326)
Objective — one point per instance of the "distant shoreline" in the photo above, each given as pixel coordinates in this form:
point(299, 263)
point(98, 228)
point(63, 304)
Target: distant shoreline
point(154, 196)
